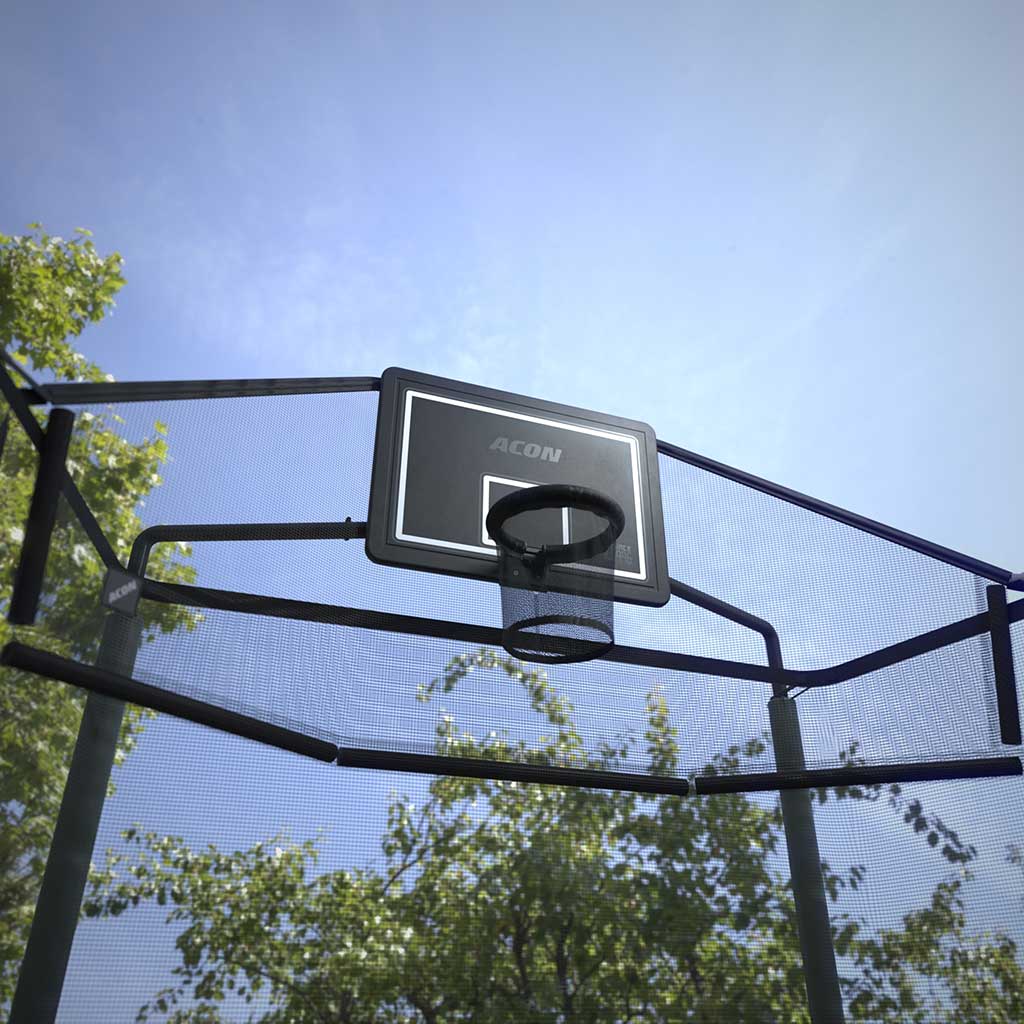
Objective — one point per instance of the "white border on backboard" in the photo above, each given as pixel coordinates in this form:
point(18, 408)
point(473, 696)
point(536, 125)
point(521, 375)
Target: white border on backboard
point(436, 542)
point(520, 484)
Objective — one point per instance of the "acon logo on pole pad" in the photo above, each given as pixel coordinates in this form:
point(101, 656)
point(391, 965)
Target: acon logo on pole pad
point(528, 449)
point(121, 592)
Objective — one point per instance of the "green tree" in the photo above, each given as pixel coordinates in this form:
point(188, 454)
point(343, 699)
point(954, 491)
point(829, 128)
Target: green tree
point(497, 902)
point(50, 289)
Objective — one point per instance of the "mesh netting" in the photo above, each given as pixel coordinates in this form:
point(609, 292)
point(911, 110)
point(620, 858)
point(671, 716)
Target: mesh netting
point(551, 623)
point(833, 593)
point(245, 883)
point(665, 909)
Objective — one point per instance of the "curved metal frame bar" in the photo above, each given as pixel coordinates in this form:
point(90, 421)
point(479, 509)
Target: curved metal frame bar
point(774, 672)
point(151, 391)
point(106, 680)
point(114, 685)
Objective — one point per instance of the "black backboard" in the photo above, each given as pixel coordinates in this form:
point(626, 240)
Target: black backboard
point(446, 451)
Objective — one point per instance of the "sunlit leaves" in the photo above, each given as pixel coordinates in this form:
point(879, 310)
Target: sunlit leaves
point(497, 902)
point(50, 288)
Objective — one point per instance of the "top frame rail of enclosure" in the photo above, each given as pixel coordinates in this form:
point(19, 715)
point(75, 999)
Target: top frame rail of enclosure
point(104, 393)
point(185, 390)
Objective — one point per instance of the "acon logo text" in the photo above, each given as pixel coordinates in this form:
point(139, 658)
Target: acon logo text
point(123, 591)
point(528, 449)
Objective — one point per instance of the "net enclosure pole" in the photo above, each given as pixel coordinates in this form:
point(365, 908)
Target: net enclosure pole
point(42, 517)
point(58, 906)
point(814, 928)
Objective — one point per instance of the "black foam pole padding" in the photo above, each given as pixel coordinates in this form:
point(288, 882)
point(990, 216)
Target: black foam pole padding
point(110, 684)
point(20, 405)
point(347, 530)
point(509, 771)
point(42, 516)
point(860, 775)
point(1002, 661)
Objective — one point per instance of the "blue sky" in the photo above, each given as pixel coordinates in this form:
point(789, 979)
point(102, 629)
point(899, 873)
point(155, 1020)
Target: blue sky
point(788, 238)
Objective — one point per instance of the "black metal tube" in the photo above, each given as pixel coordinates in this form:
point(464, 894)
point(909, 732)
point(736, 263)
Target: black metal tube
point(821, 978)
point(42, 516)
point(185, 390)
point(124, 688)
point(1002, 663)
point(20, 405)
point(924, 643)
point(480, 768)
point(153, 535)
point(859, 775)
point(113, 684)
point(58, 906)
point(733, 614)
point(413, 625)
point(1015, 581)
point(814, 928)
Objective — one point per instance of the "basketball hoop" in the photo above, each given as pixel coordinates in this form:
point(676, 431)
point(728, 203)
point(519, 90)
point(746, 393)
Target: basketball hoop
point(572, 619)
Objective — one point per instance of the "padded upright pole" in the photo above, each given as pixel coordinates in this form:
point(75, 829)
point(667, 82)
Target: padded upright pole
point(58, 907)
point(42, 516)
point(821, 978)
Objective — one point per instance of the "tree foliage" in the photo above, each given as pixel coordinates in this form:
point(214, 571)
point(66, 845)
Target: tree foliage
point(497, 902)
point(490, 902)
point(50, 289)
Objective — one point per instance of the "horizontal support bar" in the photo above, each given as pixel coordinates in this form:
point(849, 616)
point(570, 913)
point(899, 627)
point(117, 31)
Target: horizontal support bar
point(110, 684)
point(986, 570)
point(349, 530)
point(905, 650)
point(184, 390)
point(510, 771)
point(859, 775)
point(346, 530)
point(202, 532)
point(440, 629)
point(490, 636)
point(1002, 664)
point(124, 688)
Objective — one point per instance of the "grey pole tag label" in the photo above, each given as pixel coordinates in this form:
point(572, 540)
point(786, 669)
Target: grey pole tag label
point(121, 592)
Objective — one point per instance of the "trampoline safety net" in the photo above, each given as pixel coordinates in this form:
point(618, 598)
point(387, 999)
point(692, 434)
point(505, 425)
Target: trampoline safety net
point(233, 880)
